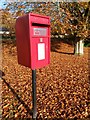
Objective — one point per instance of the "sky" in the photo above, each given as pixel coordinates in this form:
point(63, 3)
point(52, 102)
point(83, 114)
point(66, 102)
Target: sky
point(3, 1)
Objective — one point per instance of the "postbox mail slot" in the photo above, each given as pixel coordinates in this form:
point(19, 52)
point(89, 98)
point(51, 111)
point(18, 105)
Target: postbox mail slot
point(39, 24)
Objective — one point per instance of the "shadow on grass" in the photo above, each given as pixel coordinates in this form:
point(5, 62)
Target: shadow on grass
point(66, 53)
point(15, 94)
point(56, 44)
point(28, 109)
point(11, 42)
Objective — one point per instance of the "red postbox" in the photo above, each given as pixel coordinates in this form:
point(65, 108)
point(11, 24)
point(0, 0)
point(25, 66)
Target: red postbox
point(33, 40)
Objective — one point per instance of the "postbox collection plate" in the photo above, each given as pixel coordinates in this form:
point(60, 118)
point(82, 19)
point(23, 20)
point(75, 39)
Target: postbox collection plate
point(40, 31)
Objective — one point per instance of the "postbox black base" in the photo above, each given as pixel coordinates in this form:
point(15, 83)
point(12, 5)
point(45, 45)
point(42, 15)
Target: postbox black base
point(34, 114)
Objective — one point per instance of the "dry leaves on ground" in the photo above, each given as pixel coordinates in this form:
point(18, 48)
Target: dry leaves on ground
point(62, 87)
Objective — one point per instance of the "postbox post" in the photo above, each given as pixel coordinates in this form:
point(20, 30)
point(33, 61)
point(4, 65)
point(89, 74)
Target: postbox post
point(34, 114)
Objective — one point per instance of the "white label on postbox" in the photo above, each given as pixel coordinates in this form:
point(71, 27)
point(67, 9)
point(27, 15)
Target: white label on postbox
point(41, 51)
point(40, 31)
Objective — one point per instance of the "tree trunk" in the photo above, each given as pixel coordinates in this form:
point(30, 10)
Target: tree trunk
point(81, 46)
point(78, 48)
